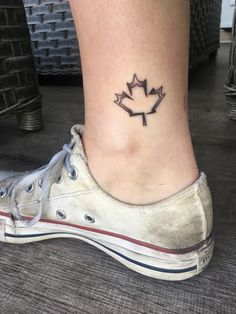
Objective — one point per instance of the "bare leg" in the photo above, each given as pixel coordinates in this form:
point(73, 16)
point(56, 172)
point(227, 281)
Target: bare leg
point(146, 157)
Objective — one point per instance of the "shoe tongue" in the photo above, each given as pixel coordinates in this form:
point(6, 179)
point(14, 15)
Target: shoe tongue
point(77, 132)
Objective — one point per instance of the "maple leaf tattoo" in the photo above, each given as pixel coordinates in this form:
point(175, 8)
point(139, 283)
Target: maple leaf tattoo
point(149, 103)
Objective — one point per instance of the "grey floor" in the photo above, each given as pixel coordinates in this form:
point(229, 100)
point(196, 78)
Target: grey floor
point(69, 276)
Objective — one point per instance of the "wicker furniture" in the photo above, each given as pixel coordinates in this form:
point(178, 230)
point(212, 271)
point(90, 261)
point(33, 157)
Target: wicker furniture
point(230, 83)
point(55, 43)
point(54, 37)
point(204, 30)
point(19, 92)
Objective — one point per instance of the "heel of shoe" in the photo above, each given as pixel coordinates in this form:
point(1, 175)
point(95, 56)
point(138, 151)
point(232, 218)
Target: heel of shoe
point(159, 265)
point(204, 254)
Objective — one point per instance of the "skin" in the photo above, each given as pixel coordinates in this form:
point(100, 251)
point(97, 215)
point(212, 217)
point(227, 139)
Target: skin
point(136, 163)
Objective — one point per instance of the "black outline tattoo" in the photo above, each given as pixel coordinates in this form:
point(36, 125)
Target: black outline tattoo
point(141, 84)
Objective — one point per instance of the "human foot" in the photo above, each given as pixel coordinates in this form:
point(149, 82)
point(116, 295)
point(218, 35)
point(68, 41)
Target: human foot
point(168, 240)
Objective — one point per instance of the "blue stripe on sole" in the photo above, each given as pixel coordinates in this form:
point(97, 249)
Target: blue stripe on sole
point(163, 270)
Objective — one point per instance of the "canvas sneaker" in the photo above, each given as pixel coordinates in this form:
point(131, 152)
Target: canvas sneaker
point(170, 239)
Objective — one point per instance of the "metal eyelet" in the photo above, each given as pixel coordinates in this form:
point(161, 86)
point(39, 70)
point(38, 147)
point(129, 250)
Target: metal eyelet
point(60, 214)
point(59, 180)
point(3, 193)
point(40, 182)
point(88, 218)
point(29, 188)
point(73, 174)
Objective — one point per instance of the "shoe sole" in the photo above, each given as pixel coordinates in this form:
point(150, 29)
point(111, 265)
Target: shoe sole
point(144, 258)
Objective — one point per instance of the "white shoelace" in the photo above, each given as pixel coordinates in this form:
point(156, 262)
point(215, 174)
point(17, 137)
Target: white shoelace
point(47, 174)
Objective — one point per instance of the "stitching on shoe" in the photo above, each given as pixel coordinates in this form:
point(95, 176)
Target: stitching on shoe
point(189, 191)
point(164, 203)
point(66, 195)
point(74, 194)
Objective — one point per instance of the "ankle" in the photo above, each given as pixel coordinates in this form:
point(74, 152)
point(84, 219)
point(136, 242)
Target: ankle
point(142, 174)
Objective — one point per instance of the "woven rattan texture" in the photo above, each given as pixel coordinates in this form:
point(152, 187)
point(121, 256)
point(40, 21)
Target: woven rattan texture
point(56, 47)
point(18, 84)
point(230, 83)
point(205, 28)
point(53, 35)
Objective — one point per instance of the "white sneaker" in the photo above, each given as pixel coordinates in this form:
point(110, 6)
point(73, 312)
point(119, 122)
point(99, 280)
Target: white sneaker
point(170, 239)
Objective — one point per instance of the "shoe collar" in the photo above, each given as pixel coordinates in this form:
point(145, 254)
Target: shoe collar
point(77, 134)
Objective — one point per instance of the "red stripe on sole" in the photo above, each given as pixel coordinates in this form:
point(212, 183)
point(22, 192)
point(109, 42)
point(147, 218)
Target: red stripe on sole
point(120, 236)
